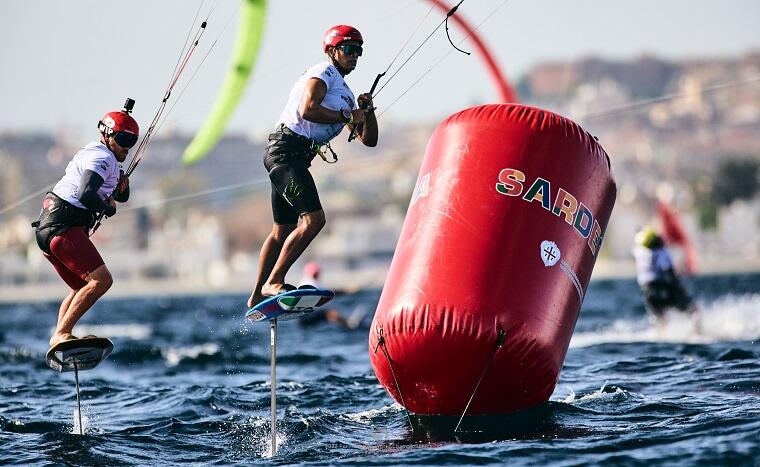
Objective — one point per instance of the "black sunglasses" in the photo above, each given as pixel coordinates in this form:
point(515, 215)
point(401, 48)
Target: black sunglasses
point(124, 139)
point(350, 49)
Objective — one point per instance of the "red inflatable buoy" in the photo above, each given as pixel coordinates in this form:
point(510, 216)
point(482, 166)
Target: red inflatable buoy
point(493, 261)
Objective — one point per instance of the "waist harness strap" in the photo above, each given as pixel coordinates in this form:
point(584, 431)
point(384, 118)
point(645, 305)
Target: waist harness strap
point(286, 144)
point(56, 217)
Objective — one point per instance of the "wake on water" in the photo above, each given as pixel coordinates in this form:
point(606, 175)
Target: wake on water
point(728, 318)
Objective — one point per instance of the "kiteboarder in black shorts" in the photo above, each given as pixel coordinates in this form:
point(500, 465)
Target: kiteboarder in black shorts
point(659, 283)
point(319, 106)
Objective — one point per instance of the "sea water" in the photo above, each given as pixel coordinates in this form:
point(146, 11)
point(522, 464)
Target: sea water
point(188, 383)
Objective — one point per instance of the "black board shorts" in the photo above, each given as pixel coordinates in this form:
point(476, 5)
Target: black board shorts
point(294, 192)
point(660, 296)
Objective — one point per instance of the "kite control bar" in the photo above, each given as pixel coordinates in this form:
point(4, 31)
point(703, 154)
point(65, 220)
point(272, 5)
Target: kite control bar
point(364, 106)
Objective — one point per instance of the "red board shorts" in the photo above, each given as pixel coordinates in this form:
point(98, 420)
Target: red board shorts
point(74, 256)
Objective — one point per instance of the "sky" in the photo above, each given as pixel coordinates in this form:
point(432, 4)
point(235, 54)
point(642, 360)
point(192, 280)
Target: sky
point(65, 64)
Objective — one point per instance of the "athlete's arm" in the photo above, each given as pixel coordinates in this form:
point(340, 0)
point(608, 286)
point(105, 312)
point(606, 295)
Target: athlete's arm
point(88, 193)
point(311, 108)
point(121, 193)
point(368, 130)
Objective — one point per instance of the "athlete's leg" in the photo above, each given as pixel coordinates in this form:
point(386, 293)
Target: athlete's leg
point(294, 196)
point(270, 251)
point(71, 278)
point(285, 220)
point(98, 282)
point(292, 249)
point(65, 305)
point(61, 312)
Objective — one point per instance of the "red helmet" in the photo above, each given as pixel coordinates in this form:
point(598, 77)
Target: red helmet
point(337, 34)
point(115, 122)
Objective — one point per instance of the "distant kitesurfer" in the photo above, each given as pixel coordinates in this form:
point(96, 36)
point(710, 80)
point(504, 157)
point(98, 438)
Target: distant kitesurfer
point(319, 106)
point(91, 186)
point(659, 283)
point(311, 272)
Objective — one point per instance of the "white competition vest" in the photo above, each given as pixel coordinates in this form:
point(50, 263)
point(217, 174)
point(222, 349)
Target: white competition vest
point(94, 156)
point(339, 96)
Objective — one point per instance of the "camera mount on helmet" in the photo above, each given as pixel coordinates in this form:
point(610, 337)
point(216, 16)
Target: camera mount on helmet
point(129, 104)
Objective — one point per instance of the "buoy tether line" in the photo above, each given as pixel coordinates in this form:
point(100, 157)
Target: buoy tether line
point(273, 377)
point(499, 342)
point(79, 406)
point(381, 344)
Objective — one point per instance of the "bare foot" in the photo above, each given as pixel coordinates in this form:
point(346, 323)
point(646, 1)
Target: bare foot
point(58, 338)
point(254, 300)
point(270, 290)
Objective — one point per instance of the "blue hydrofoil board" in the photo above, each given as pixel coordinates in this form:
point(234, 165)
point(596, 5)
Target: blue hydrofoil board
point(290, 305)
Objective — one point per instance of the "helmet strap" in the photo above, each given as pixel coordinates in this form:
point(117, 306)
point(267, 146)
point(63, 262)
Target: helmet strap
point(334, 61)
point(105, 140)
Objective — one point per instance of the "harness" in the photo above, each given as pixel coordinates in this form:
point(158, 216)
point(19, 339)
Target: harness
point(57, 216)
point(286, 145)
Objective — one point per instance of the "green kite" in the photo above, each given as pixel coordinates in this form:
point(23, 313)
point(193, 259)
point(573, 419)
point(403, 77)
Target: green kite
point(250, 29)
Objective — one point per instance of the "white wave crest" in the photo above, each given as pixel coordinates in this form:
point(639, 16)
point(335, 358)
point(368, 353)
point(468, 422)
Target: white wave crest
point(730, 318)
point(128, 331)
point(598, 394)
point(174, 355)
point(367, 416)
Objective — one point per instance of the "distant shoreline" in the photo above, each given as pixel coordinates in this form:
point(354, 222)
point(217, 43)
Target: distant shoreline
point(55, 291)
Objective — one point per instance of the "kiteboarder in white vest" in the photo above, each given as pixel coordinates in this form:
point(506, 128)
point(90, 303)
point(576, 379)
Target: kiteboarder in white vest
point(319, 106)
point(656, 275)
point(91, 186)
